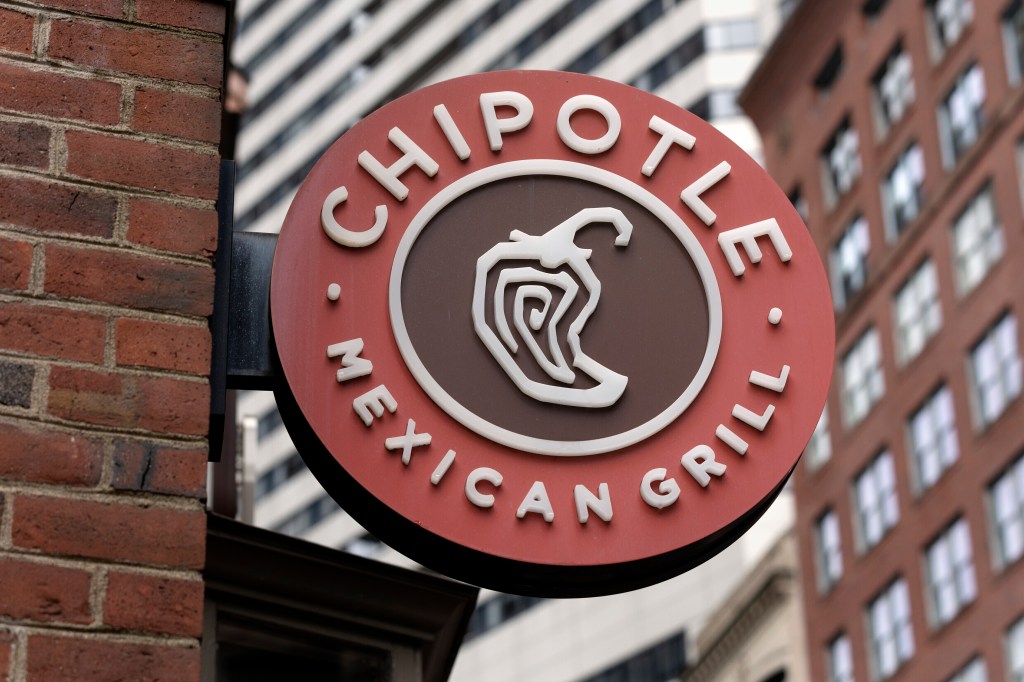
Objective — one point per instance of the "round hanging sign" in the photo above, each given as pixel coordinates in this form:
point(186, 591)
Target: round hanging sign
point(548, 333)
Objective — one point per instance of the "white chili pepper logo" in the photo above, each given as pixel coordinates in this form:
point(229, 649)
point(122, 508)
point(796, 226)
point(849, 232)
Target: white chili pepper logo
point(552, 250)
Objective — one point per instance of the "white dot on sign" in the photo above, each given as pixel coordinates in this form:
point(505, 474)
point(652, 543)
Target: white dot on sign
point(775, 315)
point(334, 291)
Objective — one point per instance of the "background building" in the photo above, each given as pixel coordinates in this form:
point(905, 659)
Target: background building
point(315, 67)
point(897, 129)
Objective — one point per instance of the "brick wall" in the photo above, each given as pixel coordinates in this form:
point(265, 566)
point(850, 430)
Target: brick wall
point(109, 124)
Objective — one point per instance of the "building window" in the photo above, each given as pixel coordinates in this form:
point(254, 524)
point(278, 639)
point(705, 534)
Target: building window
point(840, 660)
point(731, 35)
point(1015, 651)
point(497, 611)
point(917, 311)
point(951, 581)
point(878, 508)
point(1013, 40)
point(1006, 500)
point(829, 72)
point(893, 89)
point(960, 115)
point(819, 448)
point(840, 162)
point(972, 672)
point(829, 551)
point(848, 262)
point(977, 241)
point(946, 21)
point(666, 660)
point(933, 438)
point(903, 191)
point(863, 379)
point(996, 370)
point(891, 634)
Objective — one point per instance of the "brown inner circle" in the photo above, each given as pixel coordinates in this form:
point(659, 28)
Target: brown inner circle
point(650, 324)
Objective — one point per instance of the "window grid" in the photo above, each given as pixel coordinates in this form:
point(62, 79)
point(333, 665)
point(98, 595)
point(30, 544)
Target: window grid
point(917, 311)
point(819, 448)
point(891, 633)
point(893, 88)
point(848, 259)
point(841, 162)
point(1006, 499)
point(1013, 41)
point(903, 191)
point(933, 438)
point(1015, 651)
point(947, 20)
point(829, 550)
point(840, 660)
point(863, 378)
point(996, 368)
point(974, 671)
point(951, 580)
point(978, 241)
point(878, 507)
point(960, 114)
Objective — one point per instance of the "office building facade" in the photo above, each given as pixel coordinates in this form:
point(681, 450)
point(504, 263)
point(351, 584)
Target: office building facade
point(898, 130)
point(314, 68)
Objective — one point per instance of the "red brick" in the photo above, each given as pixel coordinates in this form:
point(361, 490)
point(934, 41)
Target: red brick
point(15, 264)
point(154, 468)
point(60, 209)
point(143, 52)
point(16, 34)
point(128, 279)
point(25, 144)
point(154, 604)
point(42, 593)
point(70, 659)
point(162, 345)
point(178, 114)
point(201, 15)
point(45, 93)
point(136, 163)
point(130, 402)
point(108, 531)
point(106, 8)
point(6, 653)
point(40, 455)
point(160, 225)
point(51, 332)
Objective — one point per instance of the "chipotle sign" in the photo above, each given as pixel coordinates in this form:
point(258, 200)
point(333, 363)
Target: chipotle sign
point(548, 333)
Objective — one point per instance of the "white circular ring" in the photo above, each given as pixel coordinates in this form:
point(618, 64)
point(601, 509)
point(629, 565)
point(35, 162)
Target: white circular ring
point(581, 172)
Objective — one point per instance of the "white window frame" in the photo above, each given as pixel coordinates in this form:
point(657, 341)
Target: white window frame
point(876, 500)
point(890, 630)
point(892, 89)
point(978, 241)
point(951, 581)
point(840, 162)
point(973, 671)
point(848, 259)
point(839, 659)
point(1015, 651)
point(1006, 515)
point(963, 103)
point(947, 21)
point(917, 312)
point(863, 375)
point(932, 438)
point(995, 371)
point(819, 449)
point(902, 190)
point(828, 550)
